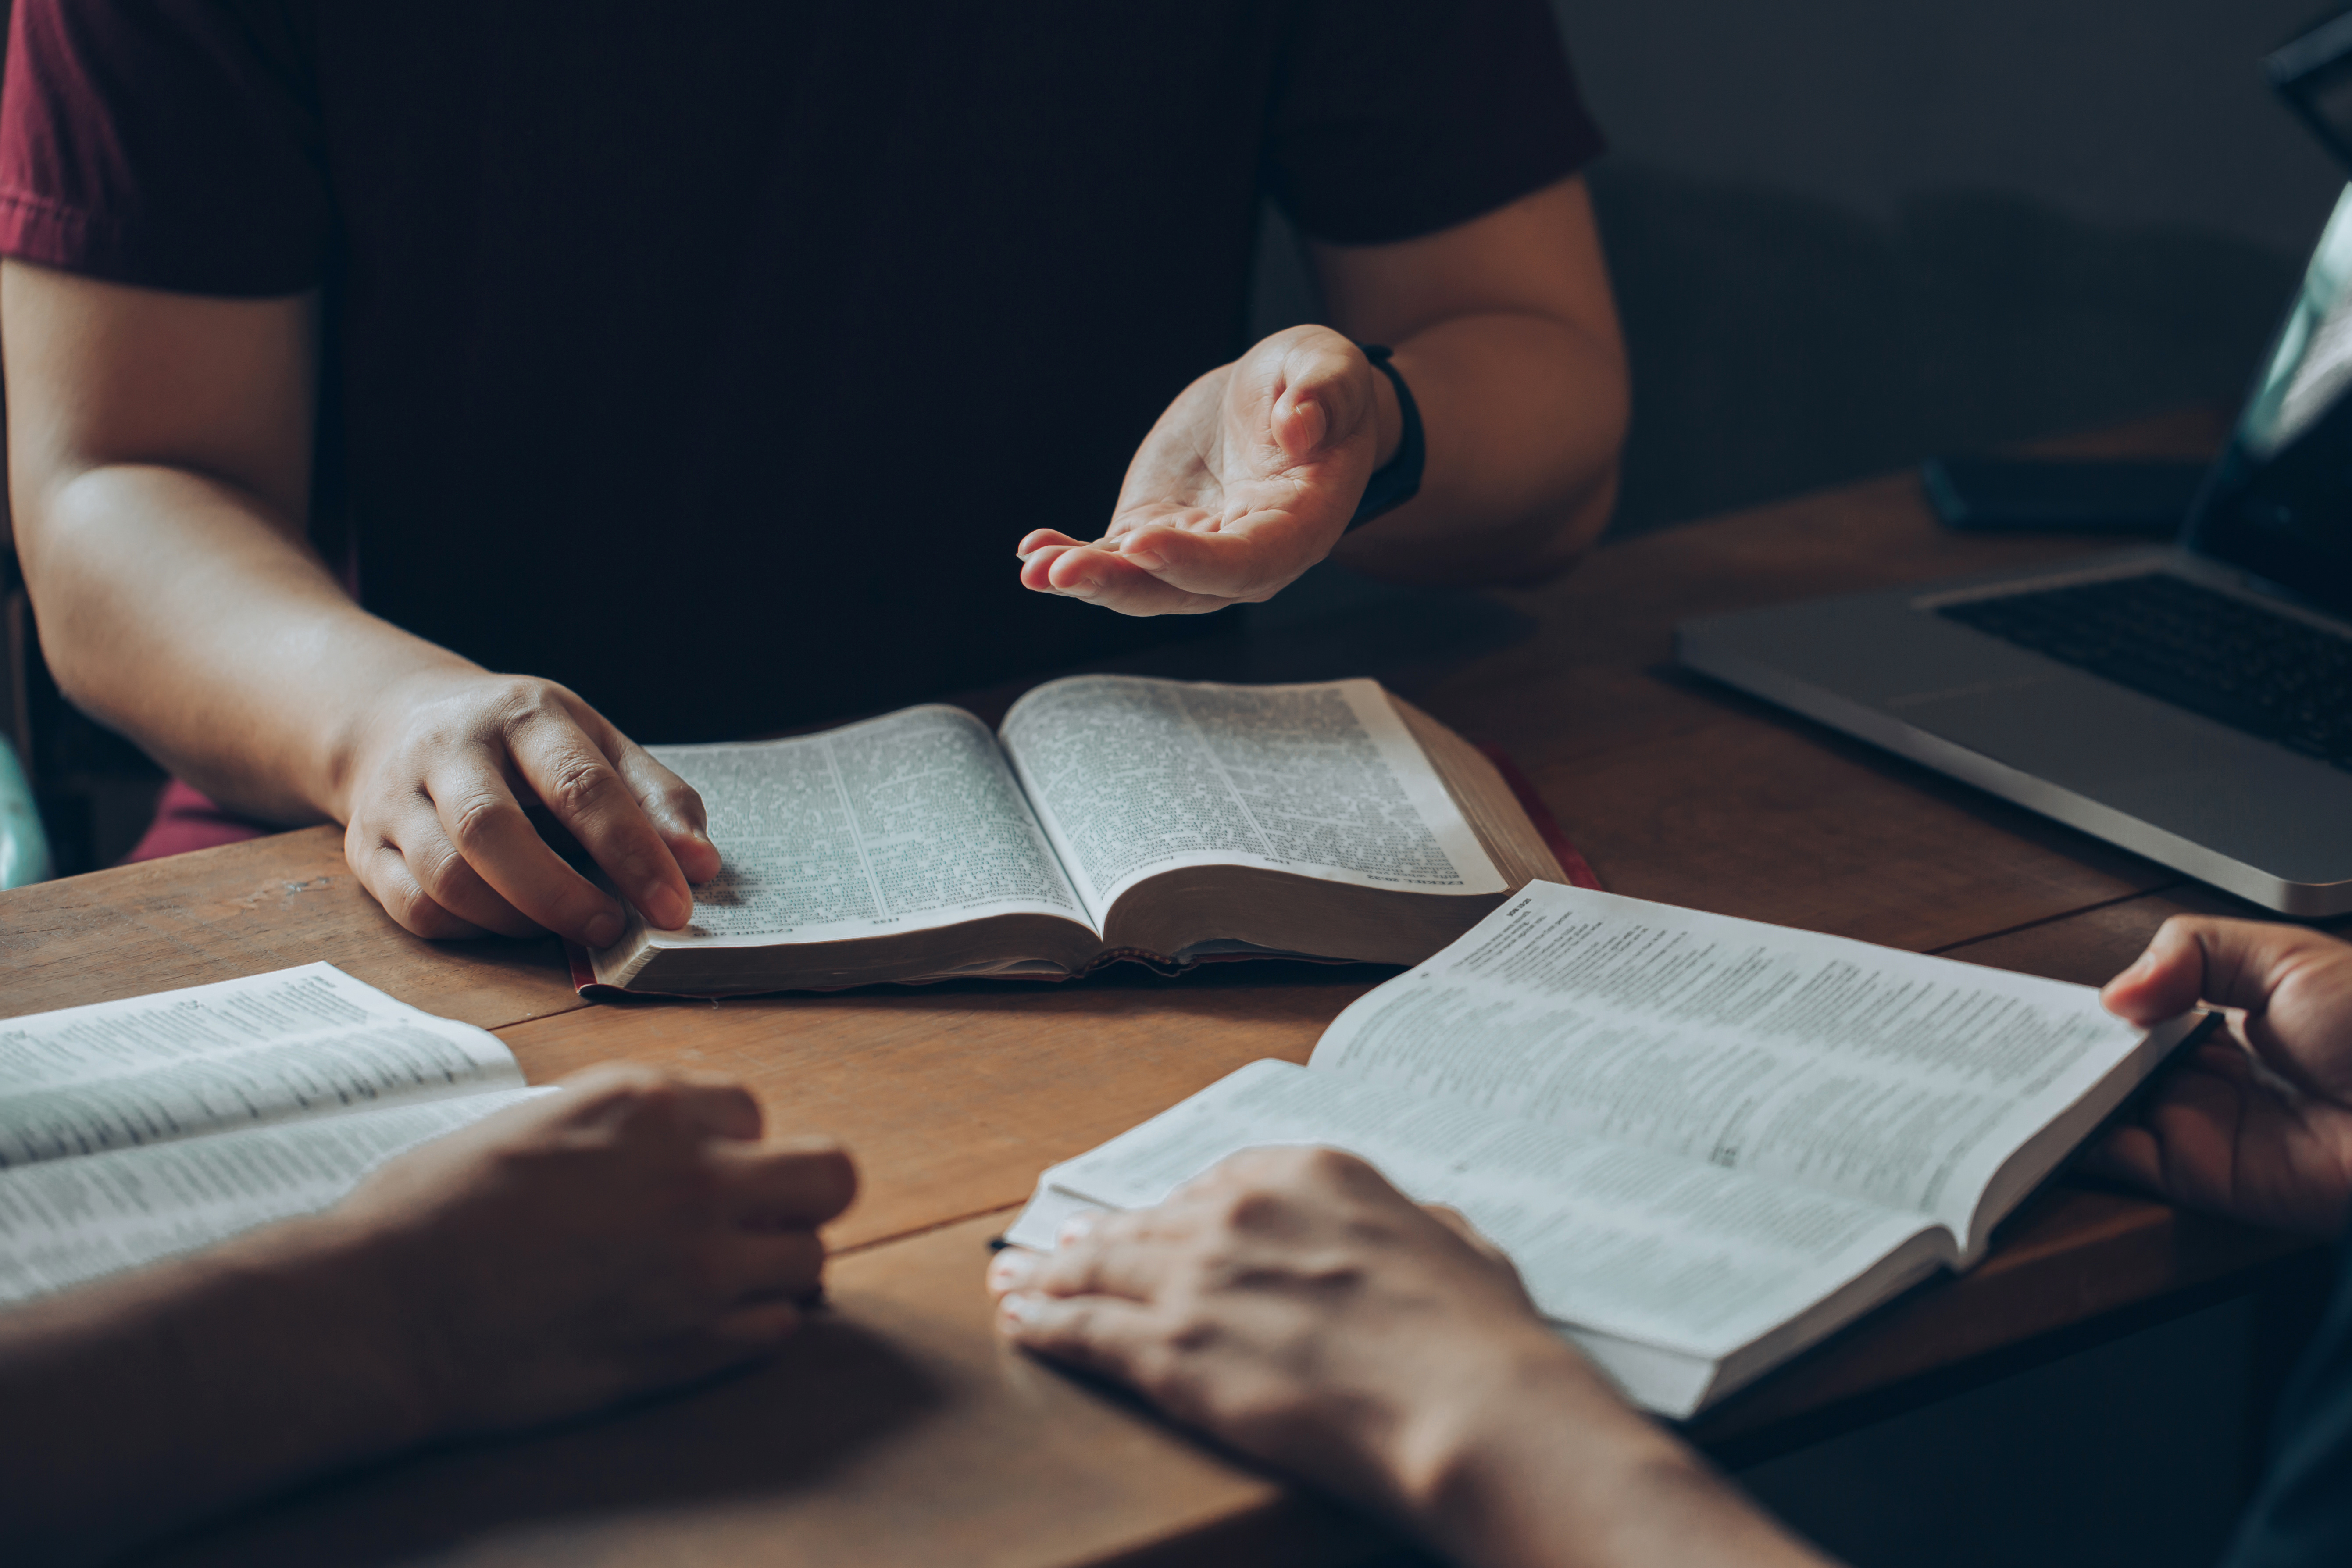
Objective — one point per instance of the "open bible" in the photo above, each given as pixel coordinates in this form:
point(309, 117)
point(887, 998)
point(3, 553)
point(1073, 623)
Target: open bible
point(1112, 816)
point(1706, 1143)
point(133, 1130)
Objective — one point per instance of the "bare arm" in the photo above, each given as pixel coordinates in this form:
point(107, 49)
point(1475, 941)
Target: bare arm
point(1505, 328)
point(1294, 1305)
point(628, 1235)
point(159, 470)
point(1506, 332)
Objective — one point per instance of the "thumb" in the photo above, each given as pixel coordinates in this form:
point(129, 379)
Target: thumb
point(1325, 401)
point(2196, 958)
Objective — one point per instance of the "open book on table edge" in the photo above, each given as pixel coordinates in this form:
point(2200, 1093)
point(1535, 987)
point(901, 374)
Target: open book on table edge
point(153, 1125)
point(582, 966)
point(2027, 1137)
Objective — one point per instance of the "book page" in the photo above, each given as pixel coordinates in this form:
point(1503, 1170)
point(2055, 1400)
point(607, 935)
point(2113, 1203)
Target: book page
point(905, 821)
point(67, 1221)
point(268, 1047)
point(1893, 1078)
point(1132, 777)
point(1633, 1242)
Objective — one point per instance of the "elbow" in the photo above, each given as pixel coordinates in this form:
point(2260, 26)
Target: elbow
point(1569, 536)
point(1563, 533)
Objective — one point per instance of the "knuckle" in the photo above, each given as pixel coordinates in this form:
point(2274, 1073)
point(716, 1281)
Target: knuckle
point(1252, 1209)
point(577, 785)
point(474, 816)
point(1160, 1368)
point(441, 872)
point(1330, 1165)
point(515, 698)
point(407, 903)
point(1191, 1333)
point(649, 1096)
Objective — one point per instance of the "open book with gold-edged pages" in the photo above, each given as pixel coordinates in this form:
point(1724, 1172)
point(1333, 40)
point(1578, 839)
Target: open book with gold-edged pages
point(1706, 1143)
point(1110, 817)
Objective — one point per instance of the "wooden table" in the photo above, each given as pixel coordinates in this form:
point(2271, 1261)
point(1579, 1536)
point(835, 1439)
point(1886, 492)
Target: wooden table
point(896, 1431)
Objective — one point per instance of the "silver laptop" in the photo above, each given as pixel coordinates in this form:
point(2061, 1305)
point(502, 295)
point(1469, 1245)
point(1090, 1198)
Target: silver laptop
point(2192, 704)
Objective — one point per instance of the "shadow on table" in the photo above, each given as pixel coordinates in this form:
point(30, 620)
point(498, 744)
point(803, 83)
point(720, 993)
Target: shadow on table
point(787, 1427)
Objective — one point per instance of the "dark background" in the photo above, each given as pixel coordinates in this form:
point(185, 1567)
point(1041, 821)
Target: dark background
point(1846, 234)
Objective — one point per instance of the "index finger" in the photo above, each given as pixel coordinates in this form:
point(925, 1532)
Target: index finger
point(798, 1185)
point(487, 826)
point(673, 805)
point(579, 784)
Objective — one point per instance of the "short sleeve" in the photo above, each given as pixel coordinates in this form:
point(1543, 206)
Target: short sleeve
point(168, 143)
point(1398, 117)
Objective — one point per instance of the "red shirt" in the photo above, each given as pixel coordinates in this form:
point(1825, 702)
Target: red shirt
point(712, 356)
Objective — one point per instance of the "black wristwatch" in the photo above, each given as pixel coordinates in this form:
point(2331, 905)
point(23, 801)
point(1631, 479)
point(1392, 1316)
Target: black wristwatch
point(1399, 480)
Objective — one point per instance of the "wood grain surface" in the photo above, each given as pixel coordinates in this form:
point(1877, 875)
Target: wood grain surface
point(894, 1432)
point(897, 1432)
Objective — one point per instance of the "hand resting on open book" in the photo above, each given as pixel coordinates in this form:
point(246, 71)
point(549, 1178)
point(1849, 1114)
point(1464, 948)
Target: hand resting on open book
point(1292, 1303)
point(438, 774)
point(629, 1233)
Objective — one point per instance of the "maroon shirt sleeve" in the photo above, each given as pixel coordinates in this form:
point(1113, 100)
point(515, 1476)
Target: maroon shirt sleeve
point(168, 143)
point(1398, 117)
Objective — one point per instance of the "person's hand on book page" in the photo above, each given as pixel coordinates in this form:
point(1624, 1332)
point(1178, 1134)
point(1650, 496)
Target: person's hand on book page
point(632, 1233)
point(1248, 480)
point(443, 768)
point(1293, 1304)
point(628, 1234)
point(2258, 1124)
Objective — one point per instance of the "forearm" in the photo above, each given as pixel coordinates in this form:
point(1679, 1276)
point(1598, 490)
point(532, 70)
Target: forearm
point(146, 1402)
point(1524, 418)
point(1553, 1470)
point(174, 607)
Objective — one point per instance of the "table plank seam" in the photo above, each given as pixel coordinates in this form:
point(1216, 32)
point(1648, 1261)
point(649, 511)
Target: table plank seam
point(2052, 920)
point(894, 1237)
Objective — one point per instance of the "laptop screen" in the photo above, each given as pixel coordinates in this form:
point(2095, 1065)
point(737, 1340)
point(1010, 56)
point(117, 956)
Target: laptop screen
point(2279, 504)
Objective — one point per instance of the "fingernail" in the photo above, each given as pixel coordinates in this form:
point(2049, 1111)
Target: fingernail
point(1016, 1309)
point(1077, 1227)
point(1084, 588)
point(604, 930)
point(1149, 560)
point(1011, 1269)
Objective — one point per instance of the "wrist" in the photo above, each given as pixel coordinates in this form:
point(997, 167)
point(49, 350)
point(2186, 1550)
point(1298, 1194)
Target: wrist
point(345, 746)
point(1539, 1434)
point(1388, 418)
point(337, 1290)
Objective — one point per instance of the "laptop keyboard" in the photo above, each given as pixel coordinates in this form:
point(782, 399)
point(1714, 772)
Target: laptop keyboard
point(2268, 675)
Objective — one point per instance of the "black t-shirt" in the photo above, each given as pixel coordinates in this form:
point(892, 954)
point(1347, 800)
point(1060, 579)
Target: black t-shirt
point(711, 357)
point(2302, 1513)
